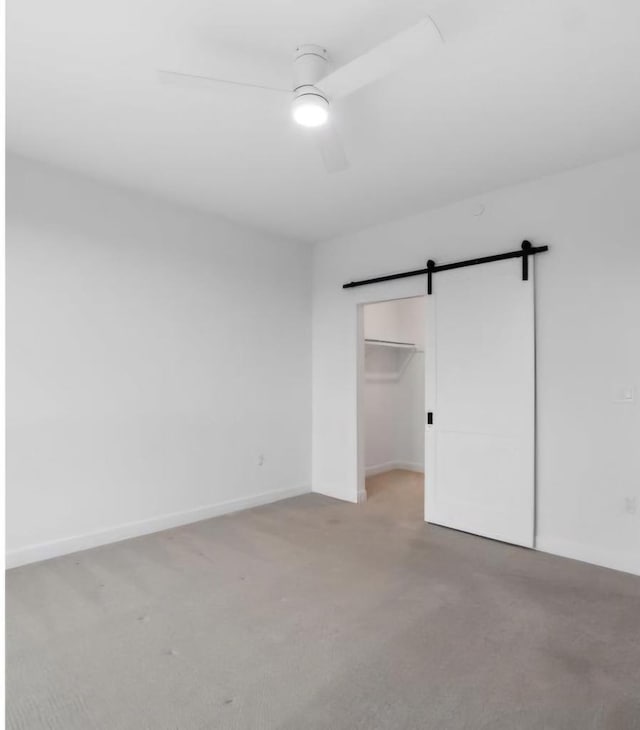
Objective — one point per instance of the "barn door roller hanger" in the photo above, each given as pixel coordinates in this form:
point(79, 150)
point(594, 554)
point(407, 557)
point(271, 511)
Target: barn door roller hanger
point(526, 250)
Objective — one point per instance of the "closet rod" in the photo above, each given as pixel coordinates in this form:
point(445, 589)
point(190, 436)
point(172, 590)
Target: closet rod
point(524, 252)
point(392, 343)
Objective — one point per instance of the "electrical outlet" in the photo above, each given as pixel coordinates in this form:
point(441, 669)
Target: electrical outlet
point(624, 394)
point(630, 505)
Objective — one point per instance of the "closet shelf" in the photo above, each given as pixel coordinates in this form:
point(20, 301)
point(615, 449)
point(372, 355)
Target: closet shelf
point(391, 343)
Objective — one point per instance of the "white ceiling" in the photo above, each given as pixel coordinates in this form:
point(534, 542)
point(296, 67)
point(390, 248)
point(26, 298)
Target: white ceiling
point(537, 87)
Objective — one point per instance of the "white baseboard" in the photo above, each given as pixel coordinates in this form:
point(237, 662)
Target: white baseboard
point(55, 548)
point(618, 560)
point(371, 471)
point(335, 493)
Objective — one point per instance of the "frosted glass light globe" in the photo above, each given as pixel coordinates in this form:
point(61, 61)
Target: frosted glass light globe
point(310, 110)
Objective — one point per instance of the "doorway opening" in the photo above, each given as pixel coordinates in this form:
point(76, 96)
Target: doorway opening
point(392, 406)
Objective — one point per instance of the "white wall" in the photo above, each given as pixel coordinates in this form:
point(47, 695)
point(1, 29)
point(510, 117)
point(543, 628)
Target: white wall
point(153, 354)
point(393, 387)
point(588, 342)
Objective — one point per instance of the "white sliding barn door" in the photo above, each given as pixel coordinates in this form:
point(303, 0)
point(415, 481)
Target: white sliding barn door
point(480, 369)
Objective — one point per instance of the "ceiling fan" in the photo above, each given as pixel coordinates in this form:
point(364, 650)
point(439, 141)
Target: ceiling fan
point(314, 89)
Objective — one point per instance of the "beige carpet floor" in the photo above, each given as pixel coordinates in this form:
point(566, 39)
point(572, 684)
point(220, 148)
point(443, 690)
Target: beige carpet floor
point(317, 614)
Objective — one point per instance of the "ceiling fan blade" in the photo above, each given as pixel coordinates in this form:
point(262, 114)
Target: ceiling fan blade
point(382, 60)
point(331, 149)
point(177, 78)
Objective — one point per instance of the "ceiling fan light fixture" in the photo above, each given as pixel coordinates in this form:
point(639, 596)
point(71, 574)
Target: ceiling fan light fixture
point(310, 109)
